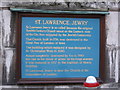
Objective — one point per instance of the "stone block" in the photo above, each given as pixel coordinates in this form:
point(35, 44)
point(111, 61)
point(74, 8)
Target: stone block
point(8, 28)
point(9, 66)
point(6, 17)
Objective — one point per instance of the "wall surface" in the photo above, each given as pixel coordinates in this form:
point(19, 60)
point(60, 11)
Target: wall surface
point(8, 44)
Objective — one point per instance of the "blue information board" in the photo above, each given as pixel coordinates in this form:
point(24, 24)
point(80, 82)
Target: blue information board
point(54, 47)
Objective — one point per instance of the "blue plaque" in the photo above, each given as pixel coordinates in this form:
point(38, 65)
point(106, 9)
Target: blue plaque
point(61, 47)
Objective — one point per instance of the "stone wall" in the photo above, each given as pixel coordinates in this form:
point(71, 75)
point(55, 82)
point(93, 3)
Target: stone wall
point(8, 29)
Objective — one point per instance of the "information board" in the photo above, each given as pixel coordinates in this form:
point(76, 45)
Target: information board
point(58, 48)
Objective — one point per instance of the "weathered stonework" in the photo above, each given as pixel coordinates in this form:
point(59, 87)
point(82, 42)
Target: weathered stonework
point(1, 62)
point(119, 42)
point(8, 29)
point(112, 43)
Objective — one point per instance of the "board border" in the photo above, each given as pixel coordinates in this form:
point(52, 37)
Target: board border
point(20, 80)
